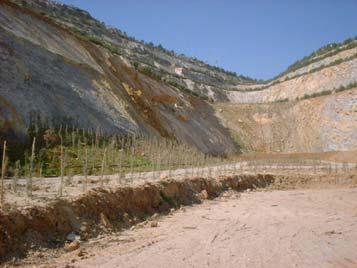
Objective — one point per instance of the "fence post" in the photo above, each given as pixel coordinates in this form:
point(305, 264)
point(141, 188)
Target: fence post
point(103, 167)
point(29, 179)
point(16, 175)
point(153, 159)
point(170, 158)
point(120, 173)
point(60, 190)
point(132, 156)
point(3, 171)
point(85, 167)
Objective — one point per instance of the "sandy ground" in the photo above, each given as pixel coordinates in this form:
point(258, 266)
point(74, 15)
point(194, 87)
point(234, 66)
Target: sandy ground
point(295, 228)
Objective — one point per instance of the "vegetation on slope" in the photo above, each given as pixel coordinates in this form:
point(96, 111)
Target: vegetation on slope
point(82, 22)
point(143, 55)
point(328, 92)
point(313, 70)
point(49, 151)
point(322, 53)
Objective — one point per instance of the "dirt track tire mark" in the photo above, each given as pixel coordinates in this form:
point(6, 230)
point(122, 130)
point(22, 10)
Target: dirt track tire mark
point(305, 228)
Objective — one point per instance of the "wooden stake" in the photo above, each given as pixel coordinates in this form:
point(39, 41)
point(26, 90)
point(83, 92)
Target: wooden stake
point(132, 151)
point(121, 149)
point(153, 162)
point(60, 190)
point(3, 171)
point(29, 179)
point(103, 167)
point(85, 171)
point(159, 161)
point(170, 158)
point(16, 176)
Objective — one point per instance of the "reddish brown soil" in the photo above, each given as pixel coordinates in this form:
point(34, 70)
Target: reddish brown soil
point(47, 226)
point(299, 228)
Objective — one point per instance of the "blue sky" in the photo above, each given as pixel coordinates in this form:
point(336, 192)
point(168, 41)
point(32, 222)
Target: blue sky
point(258, 38)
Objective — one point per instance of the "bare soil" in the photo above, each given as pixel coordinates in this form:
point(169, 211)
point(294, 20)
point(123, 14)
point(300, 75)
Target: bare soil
point(337, 156)
point(250, 222)
point(101, 210)
point(295, 228)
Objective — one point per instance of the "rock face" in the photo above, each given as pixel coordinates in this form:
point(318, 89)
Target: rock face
point(316, 82)
point(51, 73)
point(327, 123)
point(58, 65)
point(188, 73)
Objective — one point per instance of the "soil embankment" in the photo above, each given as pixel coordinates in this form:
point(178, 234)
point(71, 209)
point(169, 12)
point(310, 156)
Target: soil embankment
point(107, 210)
point(47, 227)
point(301, 228)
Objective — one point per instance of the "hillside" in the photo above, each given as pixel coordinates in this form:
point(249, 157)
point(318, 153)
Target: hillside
point(52, 75)
point(188, 74)
point(200, 79)
point(60, 66)
point(326, 123)
point(339, 75)
point(115, 150)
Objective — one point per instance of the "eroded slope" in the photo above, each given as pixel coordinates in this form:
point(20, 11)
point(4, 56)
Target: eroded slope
point(51, 73)
point(61, 65)
point(323, 77)
point(326, 123)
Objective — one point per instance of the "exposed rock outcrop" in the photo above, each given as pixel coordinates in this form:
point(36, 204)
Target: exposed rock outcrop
point(326, 123)
point(59, 64)
point(52, 73)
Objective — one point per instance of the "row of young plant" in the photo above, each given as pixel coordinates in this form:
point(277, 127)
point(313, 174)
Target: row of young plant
point(66, 152)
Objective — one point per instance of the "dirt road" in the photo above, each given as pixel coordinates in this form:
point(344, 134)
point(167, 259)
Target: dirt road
point(301, 228)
